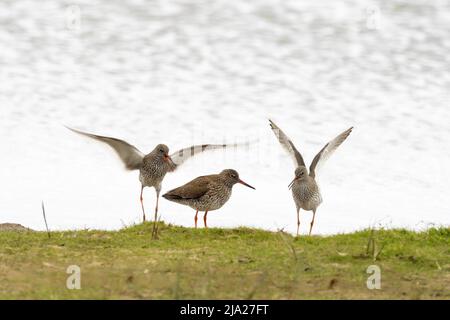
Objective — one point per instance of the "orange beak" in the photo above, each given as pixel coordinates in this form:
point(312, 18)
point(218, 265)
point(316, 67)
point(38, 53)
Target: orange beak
point(167, 158)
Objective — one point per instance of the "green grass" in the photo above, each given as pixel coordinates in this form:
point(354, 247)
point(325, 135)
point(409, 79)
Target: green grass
point(223, 264)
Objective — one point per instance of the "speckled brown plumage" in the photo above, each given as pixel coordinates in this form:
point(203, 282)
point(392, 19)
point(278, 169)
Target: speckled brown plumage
point(305, 190)
point(154, 166)
point(206, 193)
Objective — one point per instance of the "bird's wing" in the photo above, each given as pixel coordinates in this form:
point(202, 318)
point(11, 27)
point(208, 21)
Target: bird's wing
point(130, 155)
point(183, 155)
point(191, 190)
point(287, 144)
point(327, 151)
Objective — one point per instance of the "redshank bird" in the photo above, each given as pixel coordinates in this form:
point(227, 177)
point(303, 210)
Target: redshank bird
point(206, 193)
point(154, 166)
point(305, 189)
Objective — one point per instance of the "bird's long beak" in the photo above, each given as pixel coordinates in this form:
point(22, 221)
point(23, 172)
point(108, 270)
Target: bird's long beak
point(246, 184)
point(292, 183)
point(167, 158)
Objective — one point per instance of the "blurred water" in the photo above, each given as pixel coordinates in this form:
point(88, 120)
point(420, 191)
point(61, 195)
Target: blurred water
point(185, 71)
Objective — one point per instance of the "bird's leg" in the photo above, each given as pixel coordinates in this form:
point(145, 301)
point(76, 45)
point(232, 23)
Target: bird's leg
point(142, 202)
point(196, 219)
point(157, 204)
point(312, 222)
point(204, 218)
point(155, 222)
point(298, 221)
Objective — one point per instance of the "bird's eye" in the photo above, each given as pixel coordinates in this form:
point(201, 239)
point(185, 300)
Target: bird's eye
point(161, 150)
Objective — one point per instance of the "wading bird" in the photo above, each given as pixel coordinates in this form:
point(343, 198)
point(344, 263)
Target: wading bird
point(304, 187)
point(206, 193)
point(154, 166)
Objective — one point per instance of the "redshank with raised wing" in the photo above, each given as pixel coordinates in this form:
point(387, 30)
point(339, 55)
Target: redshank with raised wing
point(305, 189)
point(206, 193)
point(154, 166)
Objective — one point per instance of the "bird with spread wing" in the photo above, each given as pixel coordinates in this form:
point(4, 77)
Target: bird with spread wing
point(305, 189)
point(154, 166)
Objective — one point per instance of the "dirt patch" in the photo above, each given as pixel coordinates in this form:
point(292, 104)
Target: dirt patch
point(13, 227)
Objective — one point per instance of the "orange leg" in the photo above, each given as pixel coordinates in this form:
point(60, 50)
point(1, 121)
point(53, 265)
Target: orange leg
point(204, 218)
point(142, 202)
point(196, 219)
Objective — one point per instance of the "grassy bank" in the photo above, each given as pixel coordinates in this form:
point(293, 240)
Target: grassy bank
point(222, 264)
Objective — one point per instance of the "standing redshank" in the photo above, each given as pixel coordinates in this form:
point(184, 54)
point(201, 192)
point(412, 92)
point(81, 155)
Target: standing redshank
point(154, 166)
point(304, 187)
point(206, 193)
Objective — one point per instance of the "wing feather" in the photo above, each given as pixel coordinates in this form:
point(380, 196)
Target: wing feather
point(287, 144)
point(181, 156)
point(130, 155)
point(327, 151)
point(191, 190)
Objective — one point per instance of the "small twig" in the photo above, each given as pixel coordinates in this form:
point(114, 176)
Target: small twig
point(45, 219)
point(375, 257)
point(371, 250)
point(370, 242)
point(289, 245)
point(297, 264)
